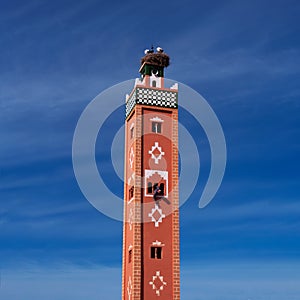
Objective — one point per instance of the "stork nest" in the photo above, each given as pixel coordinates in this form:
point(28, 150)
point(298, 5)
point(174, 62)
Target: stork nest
point(158, 59)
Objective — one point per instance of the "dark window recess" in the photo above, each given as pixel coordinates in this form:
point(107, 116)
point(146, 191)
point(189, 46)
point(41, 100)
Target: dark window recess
point(149, 188)
point(131, 192)
point(132, 132)
point(156, 252)
point(130, 256)
point(156, 127)
point(162, 188)
point(154, 83)
point(155, 186)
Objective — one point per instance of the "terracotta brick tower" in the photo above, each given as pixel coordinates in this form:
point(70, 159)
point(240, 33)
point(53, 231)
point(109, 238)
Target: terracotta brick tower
point(151, 204)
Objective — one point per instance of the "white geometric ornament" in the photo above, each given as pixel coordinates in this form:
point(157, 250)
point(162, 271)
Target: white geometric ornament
point(131, 157)
point(130, 217)
point(157, 243)
point(131, 178)
point(157, 283)
point(162, 174)
point(156, 119)
point(129, 288)
point(156, 152)
point(156, 215)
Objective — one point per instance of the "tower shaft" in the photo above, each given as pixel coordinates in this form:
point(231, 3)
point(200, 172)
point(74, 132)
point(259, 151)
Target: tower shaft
point(151, 201)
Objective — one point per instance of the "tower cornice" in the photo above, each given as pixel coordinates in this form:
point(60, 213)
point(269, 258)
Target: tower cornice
point(157, 97)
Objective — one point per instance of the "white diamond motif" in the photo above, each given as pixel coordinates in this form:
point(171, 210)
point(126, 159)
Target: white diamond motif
point(130, 217)
point(153, 215)
point(129, 288)
point(158, 283)
point(131, 157)
point(157, 157)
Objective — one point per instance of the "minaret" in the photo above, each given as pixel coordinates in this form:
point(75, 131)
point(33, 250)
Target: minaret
point(151, 200)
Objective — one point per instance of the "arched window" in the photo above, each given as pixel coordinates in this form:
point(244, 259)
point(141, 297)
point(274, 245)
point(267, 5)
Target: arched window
point(154, 83)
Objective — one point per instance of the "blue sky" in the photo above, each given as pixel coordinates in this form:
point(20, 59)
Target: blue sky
point(242, 56)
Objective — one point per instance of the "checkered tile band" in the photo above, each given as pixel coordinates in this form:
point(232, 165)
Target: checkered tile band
point(152, 97)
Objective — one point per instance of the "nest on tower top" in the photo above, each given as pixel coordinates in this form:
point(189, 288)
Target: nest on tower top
point(157, 59)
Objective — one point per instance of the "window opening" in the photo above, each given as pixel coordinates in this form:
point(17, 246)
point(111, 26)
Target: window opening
point(149, 188)
point(156, 127)
point(156, 252)
point(162, 188)
point(129, 256)
point(131, 192)
point(132, 132)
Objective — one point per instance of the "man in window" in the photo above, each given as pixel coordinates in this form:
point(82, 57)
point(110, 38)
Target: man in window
point(158, 196)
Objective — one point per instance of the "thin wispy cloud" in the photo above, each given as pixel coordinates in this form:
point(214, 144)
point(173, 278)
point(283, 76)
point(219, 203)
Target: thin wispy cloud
point(234, 281)
point(242, 56)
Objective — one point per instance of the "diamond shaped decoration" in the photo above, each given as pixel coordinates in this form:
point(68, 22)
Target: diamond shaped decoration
point(156, 153)
point(130, 217)
point(129, 288)
point(157, 283)
point(156, 215)
point(131, 158)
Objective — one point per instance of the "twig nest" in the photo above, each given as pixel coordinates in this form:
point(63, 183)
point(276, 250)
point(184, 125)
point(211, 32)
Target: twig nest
point(157, 59)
